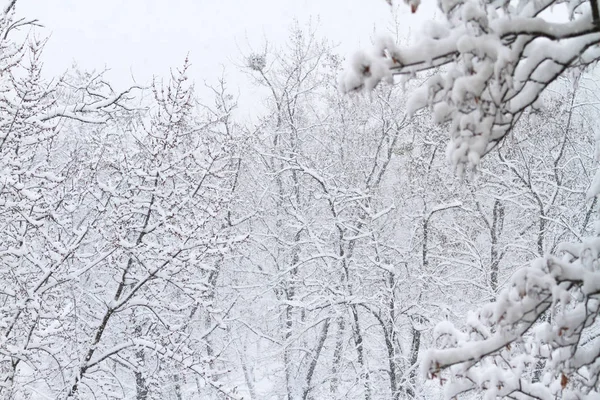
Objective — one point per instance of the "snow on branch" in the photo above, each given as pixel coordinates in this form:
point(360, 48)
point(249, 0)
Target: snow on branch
point(532, 340)
point(94, 111)
point(445, 206)
point(494, 58)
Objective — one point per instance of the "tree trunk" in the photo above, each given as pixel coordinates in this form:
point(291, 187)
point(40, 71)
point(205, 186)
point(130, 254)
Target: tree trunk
point(358, 341)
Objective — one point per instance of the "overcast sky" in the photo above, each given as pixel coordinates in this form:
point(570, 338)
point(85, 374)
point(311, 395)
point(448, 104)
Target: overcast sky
point(144, 38)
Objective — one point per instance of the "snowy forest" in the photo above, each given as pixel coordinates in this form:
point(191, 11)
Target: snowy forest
point(414, 221)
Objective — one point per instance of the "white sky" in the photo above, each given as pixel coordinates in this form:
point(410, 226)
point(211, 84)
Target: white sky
point(144, 38)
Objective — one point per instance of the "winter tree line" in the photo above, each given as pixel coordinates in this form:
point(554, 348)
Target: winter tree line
point(152, 246)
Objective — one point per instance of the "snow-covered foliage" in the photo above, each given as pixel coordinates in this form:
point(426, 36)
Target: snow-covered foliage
point(496, 58)
point(539, 338)
point(151, 248)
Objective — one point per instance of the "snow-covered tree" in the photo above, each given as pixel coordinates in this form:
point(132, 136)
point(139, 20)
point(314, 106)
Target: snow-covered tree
point(346, 239)
point(41, 236)
point(115, 222)
point(165, 181)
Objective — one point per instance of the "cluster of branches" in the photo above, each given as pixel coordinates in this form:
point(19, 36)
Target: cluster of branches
point(497, 58)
